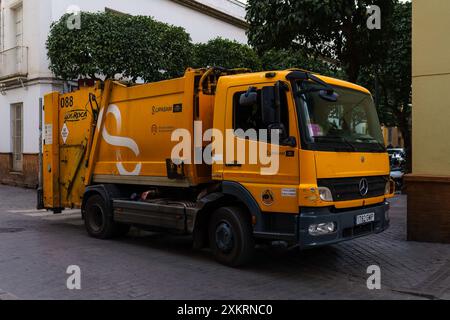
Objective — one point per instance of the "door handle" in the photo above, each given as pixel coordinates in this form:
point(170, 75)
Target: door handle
point(234, 164)
point(290, 154)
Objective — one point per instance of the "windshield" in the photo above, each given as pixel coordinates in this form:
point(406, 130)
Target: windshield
point(349, 124)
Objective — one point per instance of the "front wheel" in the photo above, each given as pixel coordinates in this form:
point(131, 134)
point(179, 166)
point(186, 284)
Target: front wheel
point(231, 236)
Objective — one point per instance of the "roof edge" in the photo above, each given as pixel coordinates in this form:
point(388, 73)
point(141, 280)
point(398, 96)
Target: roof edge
point(212, 12)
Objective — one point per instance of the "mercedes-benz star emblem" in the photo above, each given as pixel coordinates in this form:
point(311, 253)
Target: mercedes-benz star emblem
point(363, 187)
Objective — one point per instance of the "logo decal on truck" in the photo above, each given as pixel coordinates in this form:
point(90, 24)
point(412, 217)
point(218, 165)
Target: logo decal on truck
point(75, 115)
point(364, 187)
point(267, 197)
point(117, 141)
point(176, 108)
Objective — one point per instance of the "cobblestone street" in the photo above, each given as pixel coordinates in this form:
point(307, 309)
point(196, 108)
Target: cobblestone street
point(37, 247)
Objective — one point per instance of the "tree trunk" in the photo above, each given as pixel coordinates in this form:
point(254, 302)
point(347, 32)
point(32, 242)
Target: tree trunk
point(353, 72)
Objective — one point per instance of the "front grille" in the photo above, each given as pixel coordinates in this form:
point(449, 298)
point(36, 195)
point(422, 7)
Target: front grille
point(346, 189)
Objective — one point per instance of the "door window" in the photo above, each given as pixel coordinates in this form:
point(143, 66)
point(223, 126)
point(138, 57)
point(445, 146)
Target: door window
point(250, 118)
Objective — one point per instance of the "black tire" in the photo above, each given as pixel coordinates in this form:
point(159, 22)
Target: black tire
point(98, 221)
point(231, 236)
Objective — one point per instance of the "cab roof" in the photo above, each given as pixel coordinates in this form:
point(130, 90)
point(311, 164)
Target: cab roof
point(261, 77)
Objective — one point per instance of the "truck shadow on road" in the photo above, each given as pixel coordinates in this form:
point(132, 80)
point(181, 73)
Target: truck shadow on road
point(326, 261)
point(267, 258)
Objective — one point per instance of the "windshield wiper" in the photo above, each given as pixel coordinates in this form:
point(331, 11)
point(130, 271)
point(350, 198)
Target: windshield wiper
point(305, 76)
point(326, 91)
point(314, 89)
point(348, 143)
point(373, 141)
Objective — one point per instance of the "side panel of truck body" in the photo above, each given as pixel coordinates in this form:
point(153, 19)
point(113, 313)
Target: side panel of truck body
point(127, 139)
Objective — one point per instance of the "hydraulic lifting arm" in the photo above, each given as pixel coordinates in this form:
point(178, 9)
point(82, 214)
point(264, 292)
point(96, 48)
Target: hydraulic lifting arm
point(98, 124)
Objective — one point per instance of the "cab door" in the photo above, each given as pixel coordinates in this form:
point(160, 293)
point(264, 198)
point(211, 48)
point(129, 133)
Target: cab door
point(275, 190)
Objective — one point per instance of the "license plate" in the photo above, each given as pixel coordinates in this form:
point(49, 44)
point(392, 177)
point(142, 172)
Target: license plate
point(365, 218)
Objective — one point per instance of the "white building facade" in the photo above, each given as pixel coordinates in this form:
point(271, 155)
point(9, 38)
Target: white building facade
point(25, 76)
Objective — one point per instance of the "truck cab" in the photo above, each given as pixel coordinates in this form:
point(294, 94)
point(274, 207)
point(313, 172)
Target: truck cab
point(333, 178)
point(295, 157)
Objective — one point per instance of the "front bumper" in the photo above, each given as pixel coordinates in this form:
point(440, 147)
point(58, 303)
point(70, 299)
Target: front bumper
point(345, 221)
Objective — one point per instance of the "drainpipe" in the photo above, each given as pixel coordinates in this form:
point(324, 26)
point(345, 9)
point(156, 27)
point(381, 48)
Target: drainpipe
point(40, 192)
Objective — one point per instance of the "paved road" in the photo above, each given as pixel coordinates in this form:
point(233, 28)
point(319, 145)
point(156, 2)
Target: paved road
point(36, 248)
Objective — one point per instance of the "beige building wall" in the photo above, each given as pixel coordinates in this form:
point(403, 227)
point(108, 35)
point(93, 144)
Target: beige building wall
point(431, 87)
point(428, 187)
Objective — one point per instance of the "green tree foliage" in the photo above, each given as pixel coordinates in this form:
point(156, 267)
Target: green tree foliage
point(327, 30)
point(391, 80)
point(225, 53)
point(231, 54)
point(177, 50)
point(331, 29)
point(287, 59)
point(109, 44)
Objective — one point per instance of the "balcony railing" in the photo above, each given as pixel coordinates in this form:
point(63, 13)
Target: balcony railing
point(14, 63)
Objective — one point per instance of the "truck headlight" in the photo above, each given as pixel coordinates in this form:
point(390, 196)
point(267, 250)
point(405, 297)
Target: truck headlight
point(387, 188)
point(325, 194)
point(390, 187)
point(322, 229)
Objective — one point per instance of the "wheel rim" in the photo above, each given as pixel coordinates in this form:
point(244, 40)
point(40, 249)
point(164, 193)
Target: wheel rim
point(224, 237)
point(96, 218)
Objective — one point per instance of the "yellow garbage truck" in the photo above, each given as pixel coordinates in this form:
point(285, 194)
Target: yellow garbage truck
point(231, 157)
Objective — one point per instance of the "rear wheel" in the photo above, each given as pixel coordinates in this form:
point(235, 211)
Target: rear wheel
point(98, 221)
point(231, 236)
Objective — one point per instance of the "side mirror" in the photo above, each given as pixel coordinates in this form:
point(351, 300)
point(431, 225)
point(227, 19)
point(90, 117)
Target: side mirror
point(271, 103)
point(250, 98)
point(269, 108)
